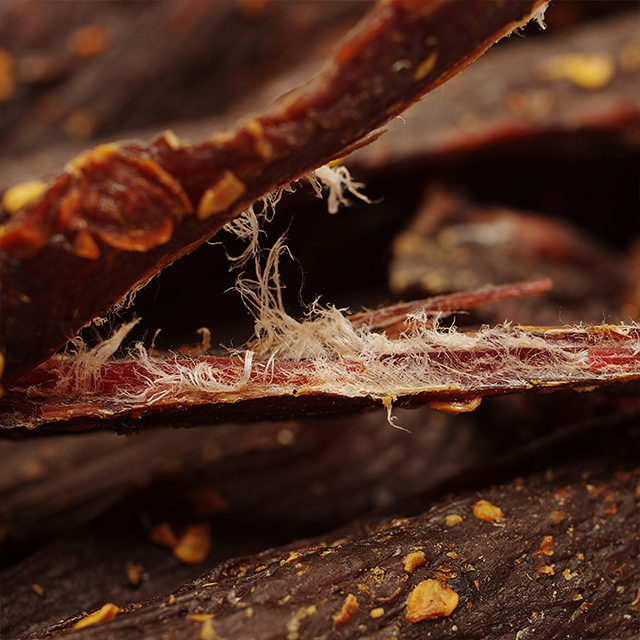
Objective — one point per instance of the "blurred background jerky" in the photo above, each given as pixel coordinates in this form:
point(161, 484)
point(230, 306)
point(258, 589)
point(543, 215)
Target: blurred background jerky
point(79, 70)
point(585, 174)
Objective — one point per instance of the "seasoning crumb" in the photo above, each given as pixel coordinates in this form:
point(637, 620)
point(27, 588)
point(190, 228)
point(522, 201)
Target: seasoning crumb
point(172, 599)
point(191, 546)
point(378, 612)
point(484, 510)
point(413, 560)
point(557, 516)
point(163, 535)
point(546, 546)
point(22, 194)
point(207, 501)
point(134, 572)
point(346, 613)
point(588, 71)
point(88, 41)
point(208, 632)
point(431, 599)
point(452, 519)
point(7, 76)
point(107, 612)
point(200, 617)
point(194, 545)
point(36, 588)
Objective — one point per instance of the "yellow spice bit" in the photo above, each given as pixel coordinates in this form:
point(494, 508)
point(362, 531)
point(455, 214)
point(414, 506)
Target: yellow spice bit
point(107, 612)
point(22, 194)
point(200, 617)
point(484, 510)
point(378, 612)
point(426, 66)
point(452, 519)
point(431, 599)
point(586, 70)
point(413, 560)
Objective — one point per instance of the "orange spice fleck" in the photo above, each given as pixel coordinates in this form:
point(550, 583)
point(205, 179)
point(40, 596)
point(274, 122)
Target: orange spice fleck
point(557, 516)
point(207, 501)
point(546, 546)
point(88, 41)
point(221, 195)
point(484, 510)
point(163, 535)
point(7, 76)
point(346, 613)
point(194, 544)
point(431, 599)
point(107, 612)
point(191, 546)
point(413, 560)
point(378, 612)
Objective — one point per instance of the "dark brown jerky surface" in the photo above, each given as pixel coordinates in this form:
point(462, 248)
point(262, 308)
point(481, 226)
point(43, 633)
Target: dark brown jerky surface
point(535, 94)
point(88, 241)
point(274, 483)
point(554, 553)
point(79, 71)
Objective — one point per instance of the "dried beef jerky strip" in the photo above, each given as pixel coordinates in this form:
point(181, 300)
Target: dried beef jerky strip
point(122, 212)
point(542, 93)
point(541, 556)
point(449, 371)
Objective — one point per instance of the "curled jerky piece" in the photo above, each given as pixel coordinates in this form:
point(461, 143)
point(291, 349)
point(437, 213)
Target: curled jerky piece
point(65, 260)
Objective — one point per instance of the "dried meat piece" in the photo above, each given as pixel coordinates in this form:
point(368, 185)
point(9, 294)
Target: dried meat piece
point(454, 244)
point(344, 370)
point(501, 581)
point(70, 256)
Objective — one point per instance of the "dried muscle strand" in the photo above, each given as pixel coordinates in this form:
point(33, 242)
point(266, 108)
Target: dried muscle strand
point(87, 241)
point(379, 319)
point(447, 369)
